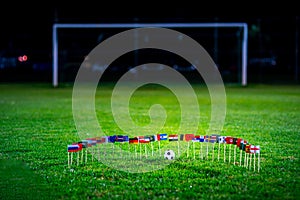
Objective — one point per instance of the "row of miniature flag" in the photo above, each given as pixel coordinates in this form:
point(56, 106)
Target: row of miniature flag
point(89, 142)
point(240, 143)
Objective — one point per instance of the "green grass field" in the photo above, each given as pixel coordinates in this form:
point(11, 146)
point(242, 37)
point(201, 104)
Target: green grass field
point(37, 125)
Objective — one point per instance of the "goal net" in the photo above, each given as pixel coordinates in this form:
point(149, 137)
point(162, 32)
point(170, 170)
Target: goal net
point(226, 43)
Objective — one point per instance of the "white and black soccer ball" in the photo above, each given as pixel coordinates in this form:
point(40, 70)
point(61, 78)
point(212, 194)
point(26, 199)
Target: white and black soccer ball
point(169, 154)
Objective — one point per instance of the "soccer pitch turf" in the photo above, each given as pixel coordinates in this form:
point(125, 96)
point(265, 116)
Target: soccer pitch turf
point(37, 125)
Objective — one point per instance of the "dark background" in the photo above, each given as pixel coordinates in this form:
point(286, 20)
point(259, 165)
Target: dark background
point(27, 30)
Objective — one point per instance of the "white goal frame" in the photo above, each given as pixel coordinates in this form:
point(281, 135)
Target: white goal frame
point(57, 26)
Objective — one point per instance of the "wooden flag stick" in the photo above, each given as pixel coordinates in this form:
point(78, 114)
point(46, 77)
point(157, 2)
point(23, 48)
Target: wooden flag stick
point(99, 152)
point(77, 158)
point(178, 147)
point(258, 162)
point(71, 159)
point(213, 151)
point(229, 153)
point(113, 150)
point(194, 150)
point(135, 151)
point(245, 159)
point(234, 155)
point(68, 159)
point(219, 151)
point(207, 150)
point(152, 149)
point(188, 149)
point(250, 160)
point(241, 155)
point(146, 150)
point(224, 152)
point(86, 155)
point(159, 148)
point(140, 150)
point(201, 150)
point(92, 153)
point(82, 156)
point(128, 148)
point(254, 162)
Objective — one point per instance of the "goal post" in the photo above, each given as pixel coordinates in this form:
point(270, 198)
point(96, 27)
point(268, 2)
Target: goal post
point(57, 26)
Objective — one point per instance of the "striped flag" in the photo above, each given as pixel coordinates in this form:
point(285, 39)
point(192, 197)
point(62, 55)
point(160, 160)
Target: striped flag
point(74, 147)
point(134, 140)
point(173, 138)
point(196, 138)
point(213, 139)
point(144, 139)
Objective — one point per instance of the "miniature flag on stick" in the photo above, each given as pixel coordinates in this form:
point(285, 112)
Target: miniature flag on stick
point(229, 140)
point(160, 137)
point(213, 139)
point(202, 139)
point(234, 151)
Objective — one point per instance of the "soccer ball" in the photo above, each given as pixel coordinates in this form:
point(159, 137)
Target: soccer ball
point(169, 154)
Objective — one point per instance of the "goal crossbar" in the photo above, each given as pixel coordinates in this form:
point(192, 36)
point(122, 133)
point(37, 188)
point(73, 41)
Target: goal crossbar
point(57, 26)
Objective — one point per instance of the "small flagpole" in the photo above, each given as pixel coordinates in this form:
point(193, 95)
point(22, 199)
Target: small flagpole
point(128, 147)
point(241, 155)
point(99, 152)
point(77, 158)
point(234, 155)
point(224, 152)
point(71, 158)
point(68, 159)
point(229, 153)
point(140, 151)
point(146, 150)
point(194, 150)
point(254, 162)
point(86, 155)
point(178, 148)
point(258, 162)
point(250, 160)
point(213, 152)
point(113, 148)
point(152, 149)
point(188, 149)
point(159, 148)
point(92, 153)
point(207, 150)
point(82, 156)
point(245, 160)
point(135, 151)
point(201, 148)
point(219, 151)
